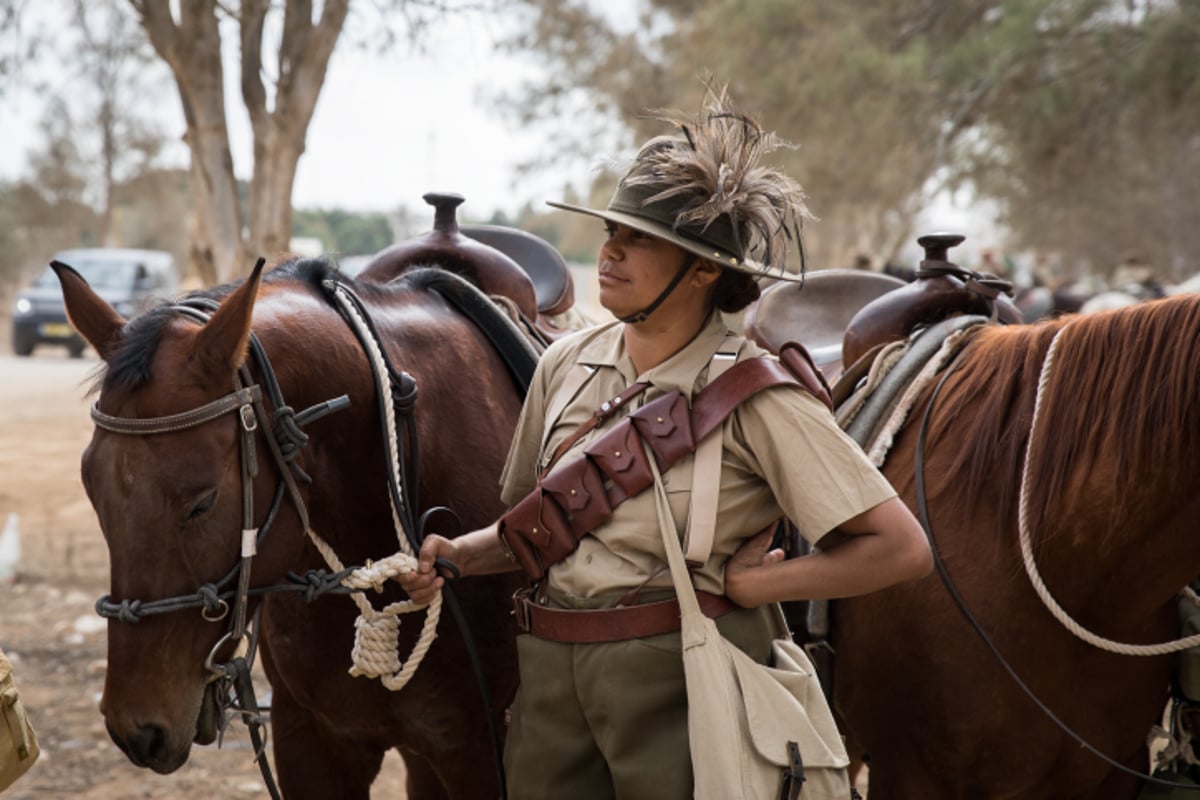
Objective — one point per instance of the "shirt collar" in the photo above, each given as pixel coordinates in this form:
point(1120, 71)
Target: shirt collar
point(680, 371)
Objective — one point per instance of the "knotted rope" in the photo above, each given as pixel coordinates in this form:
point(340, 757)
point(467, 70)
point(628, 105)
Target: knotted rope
point(1031, 570)
point(377, 632)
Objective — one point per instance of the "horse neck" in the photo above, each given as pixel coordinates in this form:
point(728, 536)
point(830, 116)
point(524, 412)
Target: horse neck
point(1115, 457)
point(1117, 451)
point(460, 386)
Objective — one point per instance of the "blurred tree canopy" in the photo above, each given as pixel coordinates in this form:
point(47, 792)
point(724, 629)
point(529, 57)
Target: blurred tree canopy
point(284, 50)
point(345, 232)
point(1079, 117)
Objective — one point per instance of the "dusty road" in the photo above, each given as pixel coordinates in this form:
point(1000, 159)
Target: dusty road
point(47, 623)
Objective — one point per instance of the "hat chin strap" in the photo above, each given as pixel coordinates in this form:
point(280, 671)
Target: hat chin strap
point(640, 316)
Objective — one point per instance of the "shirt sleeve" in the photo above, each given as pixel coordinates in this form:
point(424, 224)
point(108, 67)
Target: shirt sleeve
point(820, 476)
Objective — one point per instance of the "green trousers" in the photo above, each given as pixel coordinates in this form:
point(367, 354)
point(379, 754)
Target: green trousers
point(609, 721)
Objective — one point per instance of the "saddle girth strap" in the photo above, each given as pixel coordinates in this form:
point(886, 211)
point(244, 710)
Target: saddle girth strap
point(579, 494)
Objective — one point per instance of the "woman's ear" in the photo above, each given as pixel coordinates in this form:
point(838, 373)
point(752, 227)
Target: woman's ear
point(706, 273)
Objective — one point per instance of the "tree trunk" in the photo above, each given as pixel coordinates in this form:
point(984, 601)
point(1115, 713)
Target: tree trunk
point(279, 134)
point(193, 51)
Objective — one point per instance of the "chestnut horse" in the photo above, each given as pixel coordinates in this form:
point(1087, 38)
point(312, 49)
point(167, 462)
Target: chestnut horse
point(170, 501)
point(1112, 507)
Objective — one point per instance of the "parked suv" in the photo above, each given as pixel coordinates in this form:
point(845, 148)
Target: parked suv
point(128, 279)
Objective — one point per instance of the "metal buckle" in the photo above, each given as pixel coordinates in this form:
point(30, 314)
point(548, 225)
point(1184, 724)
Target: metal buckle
point(521, 603)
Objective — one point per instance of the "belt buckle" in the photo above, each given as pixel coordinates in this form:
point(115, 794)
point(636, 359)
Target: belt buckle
point(521, 602)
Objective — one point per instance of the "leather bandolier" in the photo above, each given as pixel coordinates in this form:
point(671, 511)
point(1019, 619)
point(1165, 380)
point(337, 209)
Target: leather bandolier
point(575, 497)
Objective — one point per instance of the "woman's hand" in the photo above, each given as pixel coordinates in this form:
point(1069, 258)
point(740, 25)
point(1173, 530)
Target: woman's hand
point(424, 584)
point(741, 569)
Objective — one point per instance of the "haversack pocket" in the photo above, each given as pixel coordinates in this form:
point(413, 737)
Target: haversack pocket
point(18, 741)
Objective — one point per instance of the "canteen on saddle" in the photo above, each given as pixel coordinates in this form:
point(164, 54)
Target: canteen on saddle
point(941, 289)
point(815, 313)
point(504, 262)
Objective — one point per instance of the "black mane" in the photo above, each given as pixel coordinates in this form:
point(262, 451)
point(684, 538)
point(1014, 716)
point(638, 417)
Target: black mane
point(128, 368)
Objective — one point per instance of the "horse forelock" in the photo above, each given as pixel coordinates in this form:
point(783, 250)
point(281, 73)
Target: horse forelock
point(1122, 395)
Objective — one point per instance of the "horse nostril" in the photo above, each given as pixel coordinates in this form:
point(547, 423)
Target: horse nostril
point(144, 746)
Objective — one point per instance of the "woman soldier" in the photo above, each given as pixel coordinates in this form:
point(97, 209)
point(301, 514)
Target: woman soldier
point(601, 718)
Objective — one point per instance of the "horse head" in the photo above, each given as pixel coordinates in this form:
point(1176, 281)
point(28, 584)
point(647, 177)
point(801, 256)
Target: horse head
point(169, 500)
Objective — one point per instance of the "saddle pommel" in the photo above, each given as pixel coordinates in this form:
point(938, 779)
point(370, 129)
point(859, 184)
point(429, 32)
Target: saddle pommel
point(940, 290)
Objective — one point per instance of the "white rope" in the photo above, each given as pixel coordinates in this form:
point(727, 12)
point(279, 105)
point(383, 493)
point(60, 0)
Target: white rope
point(376, 632)
point(1027, 551)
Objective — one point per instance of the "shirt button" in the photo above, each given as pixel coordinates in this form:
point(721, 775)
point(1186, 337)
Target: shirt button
point(588, 560)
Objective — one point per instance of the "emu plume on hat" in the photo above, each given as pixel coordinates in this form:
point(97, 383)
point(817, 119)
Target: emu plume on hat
point(707, 191)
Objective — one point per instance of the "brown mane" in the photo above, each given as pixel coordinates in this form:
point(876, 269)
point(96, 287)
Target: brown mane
point(1124, 383)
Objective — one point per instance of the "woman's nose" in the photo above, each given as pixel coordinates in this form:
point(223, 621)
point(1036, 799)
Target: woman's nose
point(611, 249)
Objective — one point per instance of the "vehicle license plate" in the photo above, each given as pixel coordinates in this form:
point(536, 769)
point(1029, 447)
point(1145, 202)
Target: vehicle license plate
point(57, 330)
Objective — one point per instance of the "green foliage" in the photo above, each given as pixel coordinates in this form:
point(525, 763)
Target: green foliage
point(344, 232)
point(1077, 116)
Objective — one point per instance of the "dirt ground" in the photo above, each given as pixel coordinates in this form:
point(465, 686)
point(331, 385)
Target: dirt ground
point(47, 624)
point(48, 627)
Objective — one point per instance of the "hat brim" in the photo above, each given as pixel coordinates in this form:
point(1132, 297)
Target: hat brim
point(657, 229)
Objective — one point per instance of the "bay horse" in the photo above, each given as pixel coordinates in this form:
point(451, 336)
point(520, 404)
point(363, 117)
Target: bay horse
point(171, 502)
point(1113, 500)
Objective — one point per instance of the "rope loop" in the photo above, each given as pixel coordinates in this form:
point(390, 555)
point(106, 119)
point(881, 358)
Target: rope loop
point(288, 434)
point(1025, 540)
point(316, 582)
point(130, 611)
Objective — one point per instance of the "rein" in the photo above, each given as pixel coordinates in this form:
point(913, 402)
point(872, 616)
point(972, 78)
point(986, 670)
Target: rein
point(943, 573)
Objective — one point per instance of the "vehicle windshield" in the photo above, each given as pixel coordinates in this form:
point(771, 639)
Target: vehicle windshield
point(99, 273)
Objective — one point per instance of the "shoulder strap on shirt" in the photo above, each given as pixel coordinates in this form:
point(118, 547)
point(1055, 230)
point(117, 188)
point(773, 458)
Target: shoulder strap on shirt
point(568, 388)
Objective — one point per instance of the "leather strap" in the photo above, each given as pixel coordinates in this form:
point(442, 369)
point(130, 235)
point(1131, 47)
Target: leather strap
point(578, 495)
point(590, 626)
point(606, 410)
point(706, 471)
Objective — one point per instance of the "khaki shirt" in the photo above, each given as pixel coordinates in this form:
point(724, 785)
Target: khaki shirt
point(784, 455)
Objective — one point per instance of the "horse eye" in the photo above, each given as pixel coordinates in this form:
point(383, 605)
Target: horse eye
point(204, 505)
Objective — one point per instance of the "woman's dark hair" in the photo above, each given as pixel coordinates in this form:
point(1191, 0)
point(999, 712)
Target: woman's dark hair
point(734, 290)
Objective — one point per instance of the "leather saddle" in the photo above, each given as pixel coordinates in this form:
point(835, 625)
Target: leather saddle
point(845, 316)
point(815, 313)
point(503, 262)
point(940, 289)
point(552, 283)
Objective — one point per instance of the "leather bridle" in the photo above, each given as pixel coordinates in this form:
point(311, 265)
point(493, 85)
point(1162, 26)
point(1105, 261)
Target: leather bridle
point(284, 440)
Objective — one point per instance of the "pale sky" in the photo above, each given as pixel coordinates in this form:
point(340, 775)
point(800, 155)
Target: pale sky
point(386, 129)
point(389, 128)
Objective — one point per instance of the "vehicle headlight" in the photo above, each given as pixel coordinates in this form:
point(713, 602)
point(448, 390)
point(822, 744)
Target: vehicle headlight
point(23, 306)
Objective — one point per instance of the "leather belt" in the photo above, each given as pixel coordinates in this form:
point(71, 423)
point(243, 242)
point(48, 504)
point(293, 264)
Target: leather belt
point(590, 626)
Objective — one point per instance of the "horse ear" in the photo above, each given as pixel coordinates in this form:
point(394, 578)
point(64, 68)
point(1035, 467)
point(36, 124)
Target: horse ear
point(222, 342)
point(90, 314)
